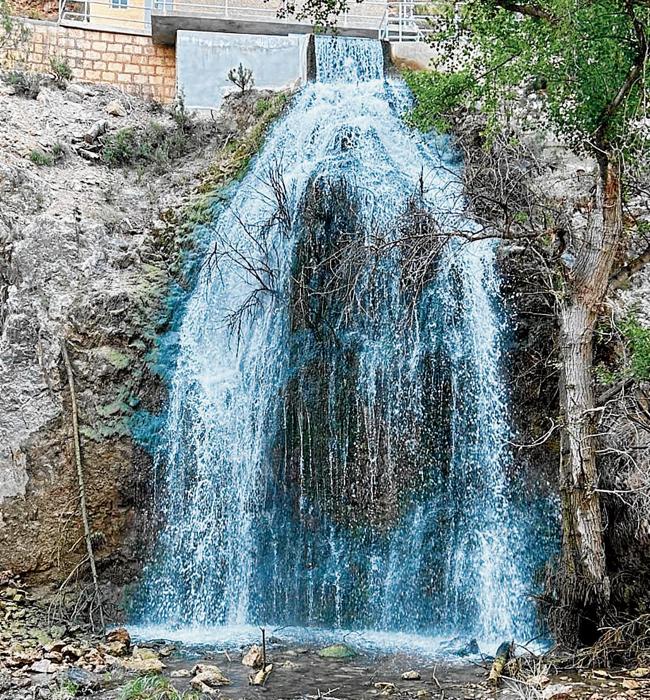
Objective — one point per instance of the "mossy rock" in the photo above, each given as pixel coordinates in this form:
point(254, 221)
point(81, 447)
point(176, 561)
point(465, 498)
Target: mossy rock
point(337, 651)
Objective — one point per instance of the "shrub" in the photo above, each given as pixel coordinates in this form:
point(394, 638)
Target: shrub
point(437, 97)
point(261, 106)
point(637, 338)
point(155, 145)
point(40, 157)
point(119, 148)
point(180, 115)
point(61, 69)
point(241, 77)
point(25, 84)
point(153, 688)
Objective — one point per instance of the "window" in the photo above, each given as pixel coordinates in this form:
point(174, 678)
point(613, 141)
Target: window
point(119, 4)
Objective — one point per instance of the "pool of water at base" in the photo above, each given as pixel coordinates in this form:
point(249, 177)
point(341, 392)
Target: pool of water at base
point(451, 648)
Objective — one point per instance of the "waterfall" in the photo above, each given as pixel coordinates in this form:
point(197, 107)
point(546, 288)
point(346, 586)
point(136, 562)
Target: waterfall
point(335, 450)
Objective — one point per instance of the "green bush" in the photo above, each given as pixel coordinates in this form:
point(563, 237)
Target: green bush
point(153, 688)
point(155, 146)
point(637, 338)
point(261, 106)
point(25, 84)
point(61, 69)
point(437, 97)
point(179, 113)
point(40, 157)
point(241, 77)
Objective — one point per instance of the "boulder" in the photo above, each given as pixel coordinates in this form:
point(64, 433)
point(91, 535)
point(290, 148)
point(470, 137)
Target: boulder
point(386, 688)
point(143, 666)
point(44, 666)
point(209, 675)
point(203, 688)
point(144, 653)
point(254, 657)
point(641, 672)
point(411, 676)
point(557, 692)
point(337, 651)
point(72, 652)
point(116, 109)
point(83, 680)
point(118, 641)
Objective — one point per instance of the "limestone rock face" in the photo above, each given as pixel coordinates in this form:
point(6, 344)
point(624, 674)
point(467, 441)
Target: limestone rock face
point(87, 254)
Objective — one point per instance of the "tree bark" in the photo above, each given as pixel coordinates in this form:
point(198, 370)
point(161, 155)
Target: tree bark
point(583, 583)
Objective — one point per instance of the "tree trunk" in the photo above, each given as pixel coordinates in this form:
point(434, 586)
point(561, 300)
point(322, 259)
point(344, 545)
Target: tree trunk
point(583, 583)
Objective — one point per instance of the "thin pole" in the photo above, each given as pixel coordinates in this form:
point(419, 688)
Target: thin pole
point(80, 479)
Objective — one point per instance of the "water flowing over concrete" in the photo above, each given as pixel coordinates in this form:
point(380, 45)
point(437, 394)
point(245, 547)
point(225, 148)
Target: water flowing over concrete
point(338, 458)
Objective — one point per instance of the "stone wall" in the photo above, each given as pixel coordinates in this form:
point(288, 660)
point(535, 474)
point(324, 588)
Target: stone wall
point(133, 63)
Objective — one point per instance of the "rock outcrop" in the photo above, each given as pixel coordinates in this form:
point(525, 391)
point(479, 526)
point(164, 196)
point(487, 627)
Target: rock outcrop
point(89, 249)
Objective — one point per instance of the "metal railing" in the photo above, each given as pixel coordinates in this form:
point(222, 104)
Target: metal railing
point(410, 20)
point(134, 16)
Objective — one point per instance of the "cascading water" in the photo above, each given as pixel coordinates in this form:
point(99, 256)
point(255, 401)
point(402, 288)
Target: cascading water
point(335, 449)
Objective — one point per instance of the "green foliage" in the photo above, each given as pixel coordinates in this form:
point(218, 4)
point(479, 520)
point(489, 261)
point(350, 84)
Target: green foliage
point(6, 23)
point(155, 145)
point(606, 376)
point(637, 338)
point(261, 106)
point(60, 69)
point(578, 52)
point(66, 690)
point(153, 688)
point(437, 97)
point(25, 84)
point(631, 359)
point(180, 114)
point(120, 148)
point(237, 154)
point(40, 157)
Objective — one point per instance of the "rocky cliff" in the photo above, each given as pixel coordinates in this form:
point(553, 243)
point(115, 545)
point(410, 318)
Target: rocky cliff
point(100, 194)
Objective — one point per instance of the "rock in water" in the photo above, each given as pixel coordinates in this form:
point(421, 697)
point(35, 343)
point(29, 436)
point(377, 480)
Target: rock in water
point(386, 688)
point(144, 653)
point(411, 676)
point(209, 676)
point(254, 657)
point(337, 651)
point(261, 676)
point(470, 649)
point(143, 665)
point(180, 673)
